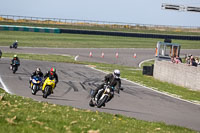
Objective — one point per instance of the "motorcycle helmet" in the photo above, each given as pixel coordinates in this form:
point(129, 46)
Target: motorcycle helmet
point(116, 74)
point(38, 70)
point(52, 71)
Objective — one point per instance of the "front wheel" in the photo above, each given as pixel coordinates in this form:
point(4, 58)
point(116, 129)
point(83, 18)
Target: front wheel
point(47, 91)
point(34, 89)
point(102, 101)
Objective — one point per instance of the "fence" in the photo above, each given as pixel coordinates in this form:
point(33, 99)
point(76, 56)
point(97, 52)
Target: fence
point(13, 18)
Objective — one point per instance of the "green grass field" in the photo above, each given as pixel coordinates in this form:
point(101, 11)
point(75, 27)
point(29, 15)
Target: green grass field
point(32, 39)
point(23, 115)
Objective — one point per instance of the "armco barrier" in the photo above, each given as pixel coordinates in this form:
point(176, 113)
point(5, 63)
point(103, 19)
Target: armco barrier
point(142, 35)
point(28, 28)
point(90, 32)
point(179, 74)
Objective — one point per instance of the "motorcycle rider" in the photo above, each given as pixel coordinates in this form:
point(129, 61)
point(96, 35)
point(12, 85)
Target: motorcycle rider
point(14, 45)
point(15, 58)
point(52, 75)
point(37, 72)
point(112, 79)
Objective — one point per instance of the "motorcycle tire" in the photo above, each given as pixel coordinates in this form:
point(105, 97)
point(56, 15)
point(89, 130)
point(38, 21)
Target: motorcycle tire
point(14, 69)
point(34, 89)
point(91, 104)
point(102, 101)
point(47, 92)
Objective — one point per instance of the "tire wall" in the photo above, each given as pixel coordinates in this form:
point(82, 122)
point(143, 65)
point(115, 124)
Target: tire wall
point(90, 32)
point(141, 35)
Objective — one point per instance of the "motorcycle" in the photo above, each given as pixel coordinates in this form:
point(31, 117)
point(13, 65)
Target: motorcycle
point(102, 97)
point(14, 45)
point(14, 66)
point(48, 86)
point(35, 84)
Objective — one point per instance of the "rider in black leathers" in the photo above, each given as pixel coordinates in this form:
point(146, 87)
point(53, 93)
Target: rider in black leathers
point(113, 79)
point(13, 60)
point(38, 73)
point(14, 45)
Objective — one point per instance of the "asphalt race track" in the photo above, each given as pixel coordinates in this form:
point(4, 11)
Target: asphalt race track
point(125, 55)
point(75, 82)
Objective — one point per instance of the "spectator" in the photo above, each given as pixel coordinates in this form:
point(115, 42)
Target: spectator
point(173, 59)
point(197, 61)
point(192, 61)
point(178, 60)
point(188, 59)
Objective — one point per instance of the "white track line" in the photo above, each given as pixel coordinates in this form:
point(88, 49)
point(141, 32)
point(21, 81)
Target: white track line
point(76, 58)
point(145, 61)
point(164, 93)
point(4, 86)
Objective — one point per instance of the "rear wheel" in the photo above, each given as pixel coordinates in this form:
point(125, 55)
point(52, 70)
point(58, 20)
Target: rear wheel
point(14, 69)
point(91, 103)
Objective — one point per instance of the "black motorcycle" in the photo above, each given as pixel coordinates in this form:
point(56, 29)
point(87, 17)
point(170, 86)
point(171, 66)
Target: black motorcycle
point(15, 45)
point(14, 66)
point(102, 97)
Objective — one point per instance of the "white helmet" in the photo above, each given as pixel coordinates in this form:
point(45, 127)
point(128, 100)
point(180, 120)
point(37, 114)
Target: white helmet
point(38, 70)
point(16, 41)
point(116, 73)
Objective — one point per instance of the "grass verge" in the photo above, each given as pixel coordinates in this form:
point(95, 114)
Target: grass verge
point(33, 39)
point(129, 73)
point(19, 114)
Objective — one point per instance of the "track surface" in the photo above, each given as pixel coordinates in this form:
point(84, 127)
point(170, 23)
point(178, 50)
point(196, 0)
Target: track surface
point(135, 101)
point(125, 54)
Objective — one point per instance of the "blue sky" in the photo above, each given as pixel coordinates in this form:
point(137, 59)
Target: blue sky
point(130, 11)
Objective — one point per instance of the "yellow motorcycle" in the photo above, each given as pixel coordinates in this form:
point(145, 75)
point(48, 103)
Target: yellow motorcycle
point(48, 86)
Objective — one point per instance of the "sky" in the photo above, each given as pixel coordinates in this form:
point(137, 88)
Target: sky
point(128, 11)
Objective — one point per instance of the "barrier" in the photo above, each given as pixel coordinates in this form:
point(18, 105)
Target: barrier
point(90, 32)
point(140, 35)
point(179, 74)
point(27, 28)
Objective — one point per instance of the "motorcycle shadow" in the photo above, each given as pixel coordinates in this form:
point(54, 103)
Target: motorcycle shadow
point(121, 110)
point(22, 73)
point(57, 98)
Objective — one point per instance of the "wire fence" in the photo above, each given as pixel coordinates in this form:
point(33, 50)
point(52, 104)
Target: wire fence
point(61, 21)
